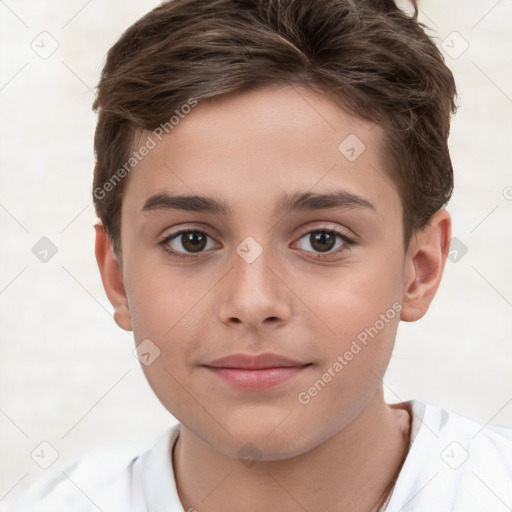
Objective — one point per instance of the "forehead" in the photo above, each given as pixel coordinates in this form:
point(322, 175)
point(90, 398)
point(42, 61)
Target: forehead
point(249, 148)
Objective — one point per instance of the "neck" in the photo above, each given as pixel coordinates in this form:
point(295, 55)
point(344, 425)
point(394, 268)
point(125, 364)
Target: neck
point(352, 471)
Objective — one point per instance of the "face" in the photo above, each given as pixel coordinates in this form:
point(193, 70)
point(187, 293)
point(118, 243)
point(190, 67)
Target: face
point(296, 255)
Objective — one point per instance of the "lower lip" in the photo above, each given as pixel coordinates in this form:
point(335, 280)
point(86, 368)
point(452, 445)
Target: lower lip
point(264, 378)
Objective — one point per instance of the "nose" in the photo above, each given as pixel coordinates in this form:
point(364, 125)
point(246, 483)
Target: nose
point(255, 295)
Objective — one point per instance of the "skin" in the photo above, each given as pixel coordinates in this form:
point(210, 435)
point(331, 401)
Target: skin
point(341, 450)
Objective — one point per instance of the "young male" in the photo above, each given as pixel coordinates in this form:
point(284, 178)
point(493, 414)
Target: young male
point(271, 179)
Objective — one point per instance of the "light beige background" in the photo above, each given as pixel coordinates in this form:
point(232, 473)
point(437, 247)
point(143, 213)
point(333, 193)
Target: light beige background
point(68, 375)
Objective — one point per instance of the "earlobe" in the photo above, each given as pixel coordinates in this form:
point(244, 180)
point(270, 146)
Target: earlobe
point(112, 277)
point(424, 265)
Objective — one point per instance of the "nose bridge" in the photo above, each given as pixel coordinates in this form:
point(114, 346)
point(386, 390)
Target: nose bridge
point(253, 293)
point(252, 269)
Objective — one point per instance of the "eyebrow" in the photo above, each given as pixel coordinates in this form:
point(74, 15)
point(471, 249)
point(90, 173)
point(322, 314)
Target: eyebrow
point(286, 203)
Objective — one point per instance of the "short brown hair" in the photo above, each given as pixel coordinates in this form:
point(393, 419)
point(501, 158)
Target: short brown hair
point(375, 61)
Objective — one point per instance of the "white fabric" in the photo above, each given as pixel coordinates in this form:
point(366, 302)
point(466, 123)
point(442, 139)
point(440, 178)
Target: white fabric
point(454, 465)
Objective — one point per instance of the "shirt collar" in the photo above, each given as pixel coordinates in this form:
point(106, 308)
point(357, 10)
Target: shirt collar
point(158, 481)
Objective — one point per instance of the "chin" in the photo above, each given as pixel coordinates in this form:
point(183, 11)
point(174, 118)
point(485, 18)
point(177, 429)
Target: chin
point(264, 438)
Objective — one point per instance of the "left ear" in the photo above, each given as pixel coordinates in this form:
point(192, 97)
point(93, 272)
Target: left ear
point(424, 265)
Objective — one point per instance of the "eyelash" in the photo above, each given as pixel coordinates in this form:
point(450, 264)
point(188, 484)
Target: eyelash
point(348, 242)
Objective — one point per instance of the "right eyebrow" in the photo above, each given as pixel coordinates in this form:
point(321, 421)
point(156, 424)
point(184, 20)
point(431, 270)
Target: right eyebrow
point(190, 203)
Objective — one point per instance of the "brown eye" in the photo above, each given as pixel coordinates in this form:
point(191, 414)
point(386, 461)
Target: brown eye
point(193, 241)
point(186, 243)
point(322, 241)
point(325, 243)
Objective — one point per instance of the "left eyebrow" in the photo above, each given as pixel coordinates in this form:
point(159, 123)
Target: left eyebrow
point(300, 201)
point(304, 201)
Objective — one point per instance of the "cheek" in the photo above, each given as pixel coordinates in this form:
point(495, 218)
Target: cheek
point(167, 320)
point(161, 301)
point(169, 310)
point(351, 299)
point(360, 311)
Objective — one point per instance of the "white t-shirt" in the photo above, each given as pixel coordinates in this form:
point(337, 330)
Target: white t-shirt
point(453, 465)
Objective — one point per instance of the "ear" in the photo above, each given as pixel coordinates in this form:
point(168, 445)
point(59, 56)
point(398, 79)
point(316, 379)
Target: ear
point(424, 265)
point(112, 277)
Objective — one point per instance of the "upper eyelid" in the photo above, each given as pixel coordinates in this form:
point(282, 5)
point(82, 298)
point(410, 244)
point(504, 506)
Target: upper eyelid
point(324, 227)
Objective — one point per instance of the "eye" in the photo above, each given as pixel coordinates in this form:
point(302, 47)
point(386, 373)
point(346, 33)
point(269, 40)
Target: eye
point(185, 242)
point(324, 241)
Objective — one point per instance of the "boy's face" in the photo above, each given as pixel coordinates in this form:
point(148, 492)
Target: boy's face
point(255, 283)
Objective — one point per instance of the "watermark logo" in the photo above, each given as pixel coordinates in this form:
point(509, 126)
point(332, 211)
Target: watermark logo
point(45, 45)
point(44, 455)
point(454, 455)
point(458, 249)
point(146, 352)
point(249, 454)
point(44, 250)
point(351, 147)
point(454, 45)
point(249, 249)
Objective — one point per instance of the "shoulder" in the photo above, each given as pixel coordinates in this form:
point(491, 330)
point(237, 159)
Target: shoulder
point(468, 443)
point(104, 480)
point(454, 464)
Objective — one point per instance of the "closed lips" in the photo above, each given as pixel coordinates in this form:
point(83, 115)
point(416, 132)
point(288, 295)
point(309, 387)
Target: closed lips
point(258, 362)
point(255, 373)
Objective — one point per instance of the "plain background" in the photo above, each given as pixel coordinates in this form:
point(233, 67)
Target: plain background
point(68, 374)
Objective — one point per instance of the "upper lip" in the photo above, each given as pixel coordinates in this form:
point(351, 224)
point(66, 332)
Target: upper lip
point(260, 361)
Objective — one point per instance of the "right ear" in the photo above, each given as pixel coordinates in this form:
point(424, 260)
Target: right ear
point(112, 277)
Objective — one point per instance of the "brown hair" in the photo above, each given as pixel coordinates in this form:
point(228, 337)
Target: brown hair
point(372, 58)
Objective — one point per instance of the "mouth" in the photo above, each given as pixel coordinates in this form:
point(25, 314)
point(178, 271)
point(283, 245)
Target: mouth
point(259, 372)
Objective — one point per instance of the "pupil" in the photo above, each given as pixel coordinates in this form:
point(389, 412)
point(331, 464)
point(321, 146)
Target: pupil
point(322, 241)
point(193, 242)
